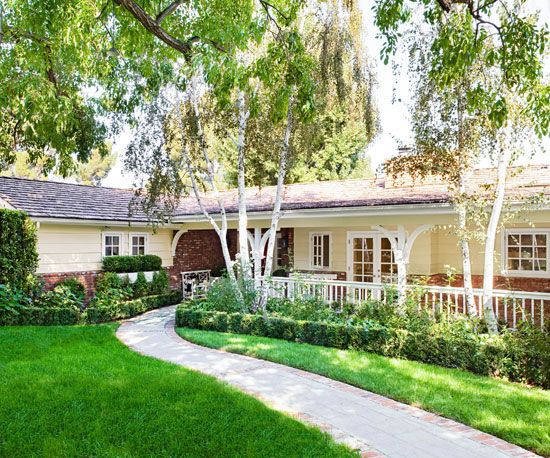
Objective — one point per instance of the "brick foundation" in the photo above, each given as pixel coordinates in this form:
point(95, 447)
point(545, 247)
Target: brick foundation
point(88, 278)
point(541, 285)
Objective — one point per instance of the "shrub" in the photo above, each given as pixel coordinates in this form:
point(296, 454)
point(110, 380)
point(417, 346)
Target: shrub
point(150, 262)
point(160, 283)
point(60, 297)
point(108, 281)
point(140, 287)
point(75, 286)
point(522, 355)
point(12, 299)
point(124, 264)
point(18, 254)
point(40, 316)
point(221, 296)
point(99, 312)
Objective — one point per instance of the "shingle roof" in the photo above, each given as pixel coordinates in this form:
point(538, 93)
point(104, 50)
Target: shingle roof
point(52, 199)
point(71, 201)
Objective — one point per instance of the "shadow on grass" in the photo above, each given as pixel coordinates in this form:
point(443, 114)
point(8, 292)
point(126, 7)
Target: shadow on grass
point(514, 412)
point(78, 391)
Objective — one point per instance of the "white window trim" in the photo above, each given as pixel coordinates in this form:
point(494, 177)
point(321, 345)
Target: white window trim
point(320, 233)
point(138, 234)
point(504, 253)
point(110, 234)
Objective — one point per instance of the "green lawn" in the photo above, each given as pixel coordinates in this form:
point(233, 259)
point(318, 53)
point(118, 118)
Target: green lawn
point(77, 391)
point(514, 412)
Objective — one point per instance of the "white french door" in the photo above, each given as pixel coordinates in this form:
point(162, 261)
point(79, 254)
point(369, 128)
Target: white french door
point(370, 258)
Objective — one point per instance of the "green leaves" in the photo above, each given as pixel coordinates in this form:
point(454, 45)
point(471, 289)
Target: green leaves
point(500, 37)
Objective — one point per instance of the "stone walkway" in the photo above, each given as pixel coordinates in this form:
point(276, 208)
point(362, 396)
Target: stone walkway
point(376, 425)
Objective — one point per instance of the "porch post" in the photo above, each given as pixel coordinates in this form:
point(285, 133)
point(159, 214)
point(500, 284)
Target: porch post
point(402, 246)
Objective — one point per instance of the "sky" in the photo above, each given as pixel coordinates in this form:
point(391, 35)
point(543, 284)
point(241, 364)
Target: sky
point(391, 94)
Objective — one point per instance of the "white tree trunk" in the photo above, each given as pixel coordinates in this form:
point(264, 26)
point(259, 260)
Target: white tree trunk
point(505, 154)
point(244, 251)
point(469, 300)
point(276, 215)
point(211, 171)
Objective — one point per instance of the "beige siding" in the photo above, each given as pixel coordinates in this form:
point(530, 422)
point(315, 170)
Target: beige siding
point(431, 252)
point(73, 248)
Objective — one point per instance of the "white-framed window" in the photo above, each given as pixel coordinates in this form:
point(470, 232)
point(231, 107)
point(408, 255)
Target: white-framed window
point(112, 244)
point(320, 250)
point(138, 244)
point(526, 252)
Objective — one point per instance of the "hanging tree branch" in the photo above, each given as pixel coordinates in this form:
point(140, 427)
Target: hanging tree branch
point(168, 11)
point(154, 27)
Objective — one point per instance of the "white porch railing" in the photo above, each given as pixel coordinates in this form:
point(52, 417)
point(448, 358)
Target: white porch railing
point(509, 306)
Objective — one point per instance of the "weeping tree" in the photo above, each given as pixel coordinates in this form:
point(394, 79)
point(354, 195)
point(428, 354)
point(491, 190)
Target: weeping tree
point(448, 141)
point(220, 102)
point(503, 43)
point(332, 144)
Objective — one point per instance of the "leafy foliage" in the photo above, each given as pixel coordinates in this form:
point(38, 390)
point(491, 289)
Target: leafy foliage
point(381, 328)
point(18, 252)
point(160, 283)
point(76, 287)
point(61, 297)
point(102, 311)
point(124, 264)
point(140, 287)
point(503, 38)
point(90, 172)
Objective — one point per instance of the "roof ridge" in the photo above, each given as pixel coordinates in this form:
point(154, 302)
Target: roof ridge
point(57, 182)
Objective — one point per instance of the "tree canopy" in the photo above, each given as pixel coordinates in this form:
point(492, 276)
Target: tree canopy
point(73, 72)
point(501, 36)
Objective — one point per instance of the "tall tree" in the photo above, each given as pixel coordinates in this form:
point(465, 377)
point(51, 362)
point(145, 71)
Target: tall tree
point(71, 72)
point(504, 94)
point(332, 145)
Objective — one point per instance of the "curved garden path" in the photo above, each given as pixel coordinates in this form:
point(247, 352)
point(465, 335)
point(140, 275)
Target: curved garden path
point(376, 425)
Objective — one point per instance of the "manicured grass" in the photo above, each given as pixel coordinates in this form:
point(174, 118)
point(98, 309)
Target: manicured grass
point(516, 413)
point(78, 391)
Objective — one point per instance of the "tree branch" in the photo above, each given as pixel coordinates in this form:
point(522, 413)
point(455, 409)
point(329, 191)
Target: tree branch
point(153, 26)
point(168, 11)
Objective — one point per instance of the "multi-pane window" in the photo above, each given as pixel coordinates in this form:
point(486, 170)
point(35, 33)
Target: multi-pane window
point(279, 250)
point(363, 259)
point(111, 244)
point(388, 267)
point(527, 251)
point(320, 250)
point(138, 243)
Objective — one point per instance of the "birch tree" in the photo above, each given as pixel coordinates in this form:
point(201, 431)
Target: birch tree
point(448, 141)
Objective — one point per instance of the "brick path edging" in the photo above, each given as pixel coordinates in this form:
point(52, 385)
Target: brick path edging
point(365, 450)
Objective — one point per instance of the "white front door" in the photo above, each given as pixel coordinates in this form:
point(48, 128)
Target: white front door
point(370, 258)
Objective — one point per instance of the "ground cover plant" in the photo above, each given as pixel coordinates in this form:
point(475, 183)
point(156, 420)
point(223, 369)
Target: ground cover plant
point(78, 391)
point(511, 411)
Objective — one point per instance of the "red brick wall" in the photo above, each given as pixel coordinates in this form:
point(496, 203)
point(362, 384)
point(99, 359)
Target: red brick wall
point(200, 250)
point(88, 278)
point(513, 283)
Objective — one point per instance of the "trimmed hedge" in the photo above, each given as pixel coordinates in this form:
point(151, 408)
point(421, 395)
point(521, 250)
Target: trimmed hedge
point(129, 309)
point(39, 316)
point(125, 264)
point(523, 357)
point(18, 253)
